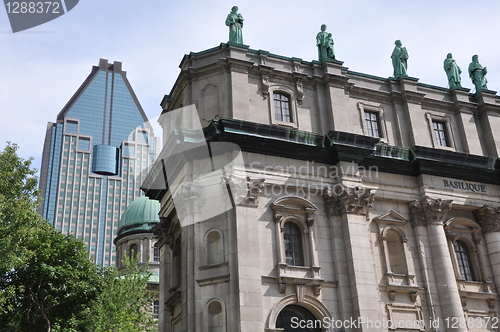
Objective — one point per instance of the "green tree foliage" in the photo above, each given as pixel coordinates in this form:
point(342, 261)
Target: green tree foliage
point(124, 303)
point(46, 278)
point(47, 281)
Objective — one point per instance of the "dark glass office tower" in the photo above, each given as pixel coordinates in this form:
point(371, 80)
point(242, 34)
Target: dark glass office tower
point(95, 158)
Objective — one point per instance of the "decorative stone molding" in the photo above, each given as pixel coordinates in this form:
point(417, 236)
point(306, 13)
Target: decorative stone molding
point(161, 231)
point(301, 292)
point(476, 236)
point(429, 211)
point(489, 218)
point(300, 91)
point(265, 86)
point(317, 290)
point(343, 199)
point(254, 187)
point(301, 212)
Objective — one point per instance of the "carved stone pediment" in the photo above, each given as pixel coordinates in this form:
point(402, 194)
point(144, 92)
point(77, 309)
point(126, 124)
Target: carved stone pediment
point(391, 217)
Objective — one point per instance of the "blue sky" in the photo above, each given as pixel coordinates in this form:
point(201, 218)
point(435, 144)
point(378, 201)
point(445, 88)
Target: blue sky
point(41, 68)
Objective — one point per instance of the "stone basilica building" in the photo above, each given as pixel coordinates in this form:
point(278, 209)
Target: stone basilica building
point(371, 204)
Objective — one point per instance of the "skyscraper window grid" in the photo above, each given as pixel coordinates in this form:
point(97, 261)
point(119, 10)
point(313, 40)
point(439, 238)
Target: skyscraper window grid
point(104, 112)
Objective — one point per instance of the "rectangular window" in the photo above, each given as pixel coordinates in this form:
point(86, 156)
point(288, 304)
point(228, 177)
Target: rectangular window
point(440, 135)
point(71, 126)
point(372, 124)
point(84, 143)
point(282, 108)
point(129, 150)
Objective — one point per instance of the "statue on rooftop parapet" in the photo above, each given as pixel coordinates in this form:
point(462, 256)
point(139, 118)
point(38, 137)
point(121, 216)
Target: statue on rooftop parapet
point(478, 74)
point(324, 41)
point(453, 71)
point(234, 21)
point(399, 60)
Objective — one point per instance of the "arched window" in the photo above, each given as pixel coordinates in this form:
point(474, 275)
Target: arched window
point(395, 248)
point(215, 319)
point(214, 248)
point(282, 110)
point(293, 316)
point(294, 253)
point(156, 252)
point(133, 250)
point(464, 261)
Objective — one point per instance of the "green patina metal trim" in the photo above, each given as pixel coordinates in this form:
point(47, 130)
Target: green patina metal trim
point(338, 146)
point(268, 131)
point(393, 152)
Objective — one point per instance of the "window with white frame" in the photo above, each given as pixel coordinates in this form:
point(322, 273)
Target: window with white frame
point(156, 309)
point(156, 252)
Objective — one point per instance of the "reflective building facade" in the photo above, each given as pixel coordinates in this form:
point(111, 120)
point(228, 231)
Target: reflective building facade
point(95, 157)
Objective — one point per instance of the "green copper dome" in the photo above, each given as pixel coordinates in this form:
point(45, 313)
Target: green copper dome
point(140, 216)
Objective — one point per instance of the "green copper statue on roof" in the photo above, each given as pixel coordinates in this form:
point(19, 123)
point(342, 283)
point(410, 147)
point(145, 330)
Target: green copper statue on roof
point(324, 41)
point(235, 23)
point(453, 71)
point(478, 74)
point(399, 60)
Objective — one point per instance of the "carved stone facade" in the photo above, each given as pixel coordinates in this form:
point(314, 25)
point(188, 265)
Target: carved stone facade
point(337, 220)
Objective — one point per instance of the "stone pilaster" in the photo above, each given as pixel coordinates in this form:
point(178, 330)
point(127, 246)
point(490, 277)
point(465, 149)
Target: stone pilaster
point(348, 206)
point(431, 213)
point(489, 219)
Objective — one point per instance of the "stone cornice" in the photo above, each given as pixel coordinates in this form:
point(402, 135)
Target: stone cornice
point(489, 218)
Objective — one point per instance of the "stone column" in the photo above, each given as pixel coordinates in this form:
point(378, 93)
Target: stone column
point(489, 219)
point(351, 205)
point(431, 213)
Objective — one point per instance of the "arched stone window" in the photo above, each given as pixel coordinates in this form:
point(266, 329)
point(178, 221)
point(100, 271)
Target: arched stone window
point(294, 252)
point(293, 316)
point(464, 260)
point(396, 251)
point(156, 252)
point(215, 249)
point(297, 258)
point(215, 317)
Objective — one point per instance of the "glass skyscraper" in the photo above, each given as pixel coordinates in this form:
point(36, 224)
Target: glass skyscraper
point(95, 158)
